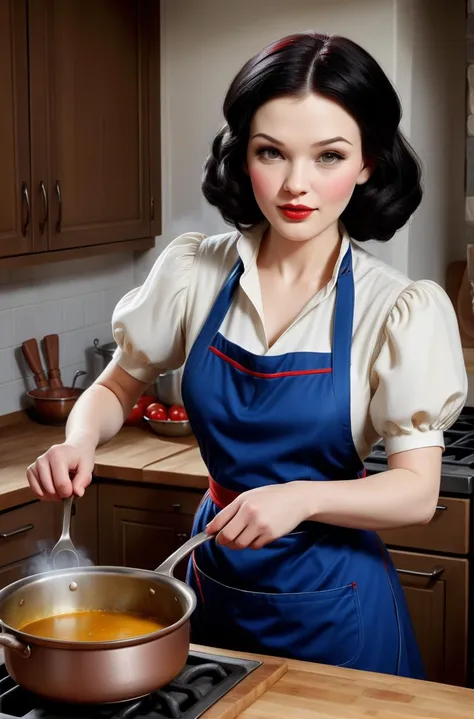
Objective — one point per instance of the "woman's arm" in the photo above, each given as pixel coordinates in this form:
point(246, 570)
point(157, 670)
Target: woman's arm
point(102, 409)
point(406, 494)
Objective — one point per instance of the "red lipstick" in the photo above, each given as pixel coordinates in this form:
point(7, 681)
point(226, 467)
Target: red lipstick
point(296, 212)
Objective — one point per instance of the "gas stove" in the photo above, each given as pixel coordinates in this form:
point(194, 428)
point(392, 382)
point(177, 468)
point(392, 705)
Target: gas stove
point(205, 679)
point(457, 476)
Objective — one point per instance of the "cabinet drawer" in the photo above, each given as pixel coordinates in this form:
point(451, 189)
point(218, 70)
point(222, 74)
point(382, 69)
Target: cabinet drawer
point(448, 531)
point(27, 531)
point(173, 501)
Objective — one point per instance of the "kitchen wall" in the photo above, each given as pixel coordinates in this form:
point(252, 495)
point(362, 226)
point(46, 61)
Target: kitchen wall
point(419, 43)
point(74, 298)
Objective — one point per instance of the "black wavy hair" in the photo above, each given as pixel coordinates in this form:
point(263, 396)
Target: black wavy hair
point(341, 70)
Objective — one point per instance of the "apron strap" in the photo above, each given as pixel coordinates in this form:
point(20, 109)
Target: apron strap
point(342, 340)
point(218, 311)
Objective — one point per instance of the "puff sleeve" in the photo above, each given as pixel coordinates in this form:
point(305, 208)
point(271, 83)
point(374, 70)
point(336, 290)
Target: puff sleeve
point(418, 377)
point(147, 323)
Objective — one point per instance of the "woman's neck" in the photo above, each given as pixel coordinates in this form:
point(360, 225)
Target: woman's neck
point(300, 261)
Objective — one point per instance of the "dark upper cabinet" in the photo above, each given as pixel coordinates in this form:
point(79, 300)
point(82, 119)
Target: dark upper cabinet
point(92, 134)
point(15, 200)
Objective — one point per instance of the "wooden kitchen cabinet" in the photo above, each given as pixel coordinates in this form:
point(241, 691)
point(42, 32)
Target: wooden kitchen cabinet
point(449, 530)
point(27, 535)
point(436, 588)
point(141, 526)
point(83, 112)
point(15, 218)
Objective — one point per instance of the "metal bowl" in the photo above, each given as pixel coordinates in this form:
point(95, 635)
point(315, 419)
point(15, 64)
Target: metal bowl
point(52, 406)
point(169, 427)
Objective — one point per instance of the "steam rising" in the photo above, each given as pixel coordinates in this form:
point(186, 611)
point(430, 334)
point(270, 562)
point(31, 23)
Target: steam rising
point(41, 561)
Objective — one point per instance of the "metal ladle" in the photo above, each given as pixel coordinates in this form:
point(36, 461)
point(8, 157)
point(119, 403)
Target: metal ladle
point(64, 543)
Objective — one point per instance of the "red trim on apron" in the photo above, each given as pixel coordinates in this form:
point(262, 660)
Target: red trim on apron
point(220, 495)
point(265, 375)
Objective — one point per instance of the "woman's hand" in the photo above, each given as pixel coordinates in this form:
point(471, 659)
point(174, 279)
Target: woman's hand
point(97, 416)
point(260, 515)
point(63, 470)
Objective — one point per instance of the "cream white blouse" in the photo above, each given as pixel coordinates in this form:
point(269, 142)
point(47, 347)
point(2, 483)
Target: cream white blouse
point(408, 380)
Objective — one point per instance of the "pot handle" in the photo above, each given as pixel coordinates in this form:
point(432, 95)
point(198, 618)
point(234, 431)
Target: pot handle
point(10, 642)
point(167, 567)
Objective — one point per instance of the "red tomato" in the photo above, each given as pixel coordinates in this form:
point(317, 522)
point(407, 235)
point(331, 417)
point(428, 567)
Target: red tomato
point(156, 411)
point(177, 413)
point(145, 400)
point(136, 415)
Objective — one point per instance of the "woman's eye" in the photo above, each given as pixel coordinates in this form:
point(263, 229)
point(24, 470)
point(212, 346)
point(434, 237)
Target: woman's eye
point(330, 158)
point(268, 153)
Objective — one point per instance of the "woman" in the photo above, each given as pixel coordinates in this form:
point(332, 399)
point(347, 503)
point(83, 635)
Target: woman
point(300, 350)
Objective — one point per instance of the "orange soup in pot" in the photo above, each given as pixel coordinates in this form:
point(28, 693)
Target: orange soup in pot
point(93, 626)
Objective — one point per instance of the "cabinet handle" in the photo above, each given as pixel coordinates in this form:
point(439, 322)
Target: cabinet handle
point(441, 508)
point(26, 198)
point(182, 537)
point(15, 532)
point(60, 207)
point(44, 195)
point(152, 209)
point(176, 507)
point(434, 574)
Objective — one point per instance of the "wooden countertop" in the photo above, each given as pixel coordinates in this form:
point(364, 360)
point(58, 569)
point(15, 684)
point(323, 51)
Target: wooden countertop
point(124, 457)
point(317, 691)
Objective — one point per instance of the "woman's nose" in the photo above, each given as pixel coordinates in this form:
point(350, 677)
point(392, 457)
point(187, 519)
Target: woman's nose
point(297, 180)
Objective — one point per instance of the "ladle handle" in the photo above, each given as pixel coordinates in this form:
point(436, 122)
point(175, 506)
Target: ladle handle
point(167, 567)
point(67, 513)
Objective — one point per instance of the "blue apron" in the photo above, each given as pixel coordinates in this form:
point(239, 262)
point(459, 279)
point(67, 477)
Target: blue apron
point(320, 593)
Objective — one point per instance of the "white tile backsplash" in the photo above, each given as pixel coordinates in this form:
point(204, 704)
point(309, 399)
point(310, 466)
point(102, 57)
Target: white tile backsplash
point(6, 365)
point(74, 299)
point(6, 328)
point(73, 315)
point(24, 323)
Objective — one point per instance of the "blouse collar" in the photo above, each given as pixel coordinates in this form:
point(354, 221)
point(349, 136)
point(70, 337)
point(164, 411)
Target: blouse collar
point(248, 245)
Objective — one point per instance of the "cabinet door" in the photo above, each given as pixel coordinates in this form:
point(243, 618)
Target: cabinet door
point(15, 186)
point(436, 589)
point(90, 74)
point(141, 526)
point(27, 535)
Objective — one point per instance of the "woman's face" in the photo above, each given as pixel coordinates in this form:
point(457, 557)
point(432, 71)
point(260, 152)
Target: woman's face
point(304, 159)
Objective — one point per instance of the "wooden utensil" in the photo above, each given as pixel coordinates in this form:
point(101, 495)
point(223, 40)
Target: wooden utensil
point(51, 349)
point(32, 356)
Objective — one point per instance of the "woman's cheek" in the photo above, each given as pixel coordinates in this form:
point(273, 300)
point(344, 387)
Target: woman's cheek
point(261, 182)
point(339, 187)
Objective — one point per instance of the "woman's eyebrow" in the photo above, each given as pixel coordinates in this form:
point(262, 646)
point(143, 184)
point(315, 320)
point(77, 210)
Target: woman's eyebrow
point(339, 138)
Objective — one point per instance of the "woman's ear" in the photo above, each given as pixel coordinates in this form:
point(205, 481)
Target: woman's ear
point(365, 173)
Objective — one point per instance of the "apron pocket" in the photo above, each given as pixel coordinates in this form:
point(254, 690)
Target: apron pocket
point(322, 626)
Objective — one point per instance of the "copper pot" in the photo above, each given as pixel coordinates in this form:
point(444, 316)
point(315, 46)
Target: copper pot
point(99, 672)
